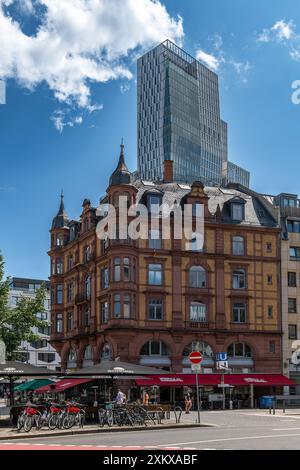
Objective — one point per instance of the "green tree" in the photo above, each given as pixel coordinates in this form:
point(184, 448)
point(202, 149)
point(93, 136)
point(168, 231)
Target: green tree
point(16, 323)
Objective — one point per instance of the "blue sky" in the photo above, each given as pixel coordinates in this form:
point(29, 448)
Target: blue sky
point(62, 122)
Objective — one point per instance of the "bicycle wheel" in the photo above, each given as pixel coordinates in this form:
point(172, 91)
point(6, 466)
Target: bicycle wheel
point(110, 417)
point(79, 419)
point(68, 421)
point(38, 422)
point(20, 422)
point(101, 416)
point(117, 417)
point(128, 418)
point(53, 421)
point(28, 423)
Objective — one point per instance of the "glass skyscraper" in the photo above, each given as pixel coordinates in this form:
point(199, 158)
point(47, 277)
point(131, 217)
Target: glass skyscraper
point(179, 117)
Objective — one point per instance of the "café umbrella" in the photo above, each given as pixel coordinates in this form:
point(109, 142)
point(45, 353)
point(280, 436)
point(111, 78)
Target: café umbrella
point(14, 369)
point(115, 369)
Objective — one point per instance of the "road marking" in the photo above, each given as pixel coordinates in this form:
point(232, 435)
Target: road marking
point(288, 420)
point(232, 439)
point(285, 429)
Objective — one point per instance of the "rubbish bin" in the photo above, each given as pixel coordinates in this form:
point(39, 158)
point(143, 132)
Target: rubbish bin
point(266, 401)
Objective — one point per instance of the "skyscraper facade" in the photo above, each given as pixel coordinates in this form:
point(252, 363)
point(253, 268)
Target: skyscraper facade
point(179, 117)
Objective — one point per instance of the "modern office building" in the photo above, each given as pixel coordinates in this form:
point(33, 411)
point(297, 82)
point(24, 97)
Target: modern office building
point(40, 353)
point(233, 173)
point(178, 118)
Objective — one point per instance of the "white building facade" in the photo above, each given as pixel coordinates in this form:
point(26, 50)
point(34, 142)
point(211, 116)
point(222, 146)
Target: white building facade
point(40, 353)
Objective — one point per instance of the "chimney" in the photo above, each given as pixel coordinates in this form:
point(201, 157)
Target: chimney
point(168, 171)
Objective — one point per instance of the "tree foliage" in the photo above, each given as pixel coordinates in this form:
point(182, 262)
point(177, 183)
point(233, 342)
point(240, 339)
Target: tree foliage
point(16, 323)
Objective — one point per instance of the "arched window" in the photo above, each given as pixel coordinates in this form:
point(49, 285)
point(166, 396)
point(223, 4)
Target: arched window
point(197, 276)
point(198, 312)
point(88, 353)
point(240, 350)
point(155, 348)
point(72, 355)
point(87, 286)
point(106, 352)
point(238, 245)
point(200, 346)
point(72, 359)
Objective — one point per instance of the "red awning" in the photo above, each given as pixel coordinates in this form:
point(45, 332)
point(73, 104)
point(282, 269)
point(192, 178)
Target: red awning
point(179, 380)
point(63, 385)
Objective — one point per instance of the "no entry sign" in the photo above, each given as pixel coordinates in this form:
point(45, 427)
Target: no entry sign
point(195, 357)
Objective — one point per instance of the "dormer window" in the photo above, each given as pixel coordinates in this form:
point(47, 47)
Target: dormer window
point(154, 202)
point(237, 211)
point(72, 233)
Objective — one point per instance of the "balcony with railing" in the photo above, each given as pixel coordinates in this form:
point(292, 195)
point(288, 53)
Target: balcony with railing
point(123, 242)
point(197, 325)
point(292, 211)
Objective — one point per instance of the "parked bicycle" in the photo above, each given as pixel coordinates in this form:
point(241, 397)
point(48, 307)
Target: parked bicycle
point(30, 416)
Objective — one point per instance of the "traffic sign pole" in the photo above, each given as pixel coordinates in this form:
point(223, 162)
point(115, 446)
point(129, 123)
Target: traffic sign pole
point(198, 401)
point(195, 358)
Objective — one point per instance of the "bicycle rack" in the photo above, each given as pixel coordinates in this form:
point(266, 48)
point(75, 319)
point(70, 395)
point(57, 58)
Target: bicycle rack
point(177, 413)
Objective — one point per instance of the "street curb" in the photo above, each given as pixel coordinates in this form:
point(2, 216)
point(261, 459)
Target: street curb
point(101, 431)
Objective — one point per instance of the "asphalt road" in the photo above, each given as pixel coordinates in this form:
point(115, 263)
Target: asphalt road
point(231, 430)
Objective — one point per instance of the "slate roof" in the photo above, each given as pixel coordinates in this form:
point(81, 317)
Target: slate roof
point(258, 211)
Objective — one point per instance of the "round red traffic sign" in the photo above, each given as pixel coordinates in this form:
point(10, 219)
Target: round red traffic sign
point(195, 357)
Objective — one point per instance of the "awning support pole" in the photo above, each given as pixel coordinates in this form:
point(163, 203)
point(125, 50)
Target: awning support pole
point(11, 391)
point(251, 396)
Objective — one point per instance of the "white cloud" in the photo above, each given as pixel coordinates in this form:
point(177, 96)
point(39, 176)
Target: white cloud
point(79, 42)
point(26, 6)
point(281, 31)
point(208, 59)
point(295, 54)
point(219, 59)
point(60, 121)
point(91, 108)
point(124, 87)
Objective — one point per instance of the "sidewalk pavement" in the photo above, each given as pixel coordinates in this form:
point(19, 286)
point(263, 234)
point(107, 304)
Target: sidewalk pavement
point(186, 421)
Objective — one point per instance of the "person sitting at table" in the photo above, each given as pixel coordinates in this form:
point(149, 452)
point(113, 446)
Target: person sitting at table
point(145, 398)
point(120, 398)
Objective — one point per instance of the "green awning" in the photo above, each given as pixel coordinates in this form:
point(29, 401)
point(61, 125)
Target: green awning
point(33, 384)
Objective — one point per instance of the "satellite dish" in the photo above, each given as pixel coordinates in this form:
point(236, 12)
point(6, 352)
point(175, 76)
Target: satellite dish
point(296, 358)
